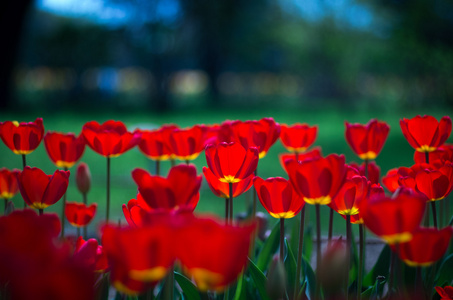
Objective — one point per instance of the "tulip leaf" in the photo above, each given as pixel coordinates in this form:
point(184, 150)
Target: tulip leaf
point(188, 288)
point(269, 247)
point(290, 267)
point(381, 268)
point(445, 273)
point(259, 279)
point(309, 275)
point(102, 288)
point(294, 237)
point(240, 289)
point(308, 243)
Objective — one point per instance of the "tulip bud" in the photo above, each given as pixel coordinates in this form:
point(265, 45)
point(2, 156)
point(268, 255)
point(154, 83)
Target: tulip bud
point(83, 178)
point(276, 279)
point(332, 268)
point(261, 218)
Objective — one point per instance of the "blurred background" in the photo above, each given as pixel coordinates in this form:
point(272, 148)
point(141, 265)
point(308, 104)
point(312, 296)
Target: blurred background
point(151, 62)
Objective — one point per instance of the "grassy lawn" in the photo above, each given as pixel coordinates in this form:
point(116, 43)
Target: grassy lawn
point(396, 152)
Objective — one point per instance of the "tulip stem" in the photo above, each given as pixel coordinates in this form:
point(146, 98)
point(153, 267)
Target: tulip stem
point(296, 156)
point(41, 211)
point(78, 232)
point(6, 205)
point(252, 244)
point(62, 211)
point(172, 162)
point(359, 279)
point(230, 185)
point(299, 251)
point(318, 248)
point(157, 167)
point(348, 254)
point(24, 164)
point(329, 239)
point(418, 282)
point(282, 238)
point(433, 206)
point(427, 157)
point(169, 284)
point(107, 212)
point(85, 201)
point(227, 209)
point(366, 168)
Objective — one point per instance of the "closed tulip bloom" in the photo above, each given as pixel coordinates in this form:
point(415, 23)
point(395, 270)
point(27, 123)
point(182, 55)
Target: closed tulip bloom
point(155, 144)
point(180, 188)
point(22, 138)
point(298, 137)
point(79, 214)
point(390, 180)
point(135, 211)
point(138, 256)
point(318, 179)
point(427, 246)
point(261, 134)
point(187, 144)
point(278, 197)
point(83, 178)
point(353, 191)
point(367, 140)
point(221, 189)
point(393, 219)
point(8, 183)
point(231, 162)
point(109, 139)
point(213, 254)
point(426, 134)
point(40, 190)
point(90, 254)
point(63, 149)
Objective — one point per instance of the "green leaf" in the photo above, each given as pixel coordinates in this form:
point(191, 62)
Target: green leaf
point(309, 275)
point(290, 267)
point(240, 289)
point(259, 279)
point(188, 288)
point(381, 268)
point(294, 237)
point(378, 288)
point(308, 243)
point(445, 273)
point(269, 248)
point(102, 288)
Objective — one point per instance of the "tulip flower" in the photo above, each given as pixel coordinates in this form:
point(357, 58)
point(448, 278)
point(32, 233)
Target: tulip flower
point(79, 214)
point(221, 189)
point(91, 254)
point(427, 246)
point(445, 293)
point(375, 191)
point(367, 140)
point(138, 257)
point(426, 134)
point(222, 133)
point(347, 200)
point(8, 184)
point(393, 219)
point(390, 180)
point(153, 143)
point(443, 153)
point(261, 134)
point(83, 179)
point(372, 172)
point(64, 150)
point(297, 138)
point(187, 144)
point(278, 197)
point(213, 254)
point(179, 189)
point(230, 162)
point(314, 153)
point(40, 190)
point(22, 138)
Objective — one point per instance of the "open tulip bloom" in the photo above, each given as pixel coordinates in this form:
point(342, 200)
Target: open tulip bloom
point(64, 149)
point(79, 214)
point(22, 138)
point(297, 138)
point(367, 140)
point(187, 144)
point(8, 184)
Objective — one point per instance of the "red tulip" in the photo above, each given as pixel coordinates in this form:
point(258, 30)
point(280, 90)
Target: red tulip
point(155, 144)
point(40, 190)
point(78, 214)
point(318, 179)
point(22, 138)
point(374, 172)
point(213, 254)
point(64, 149)
point(443, 153)
point(83, 178)
point(427, 246)
point(314, 153)
point(445, 293)
point(393, 219)
point(278, 197)
point(390, 180)
point(135, 211)
point(221, 189)
point(222, 133)
point(110, 139)
point(353, 191)
point(376, 191)
point(179, 189)
point(231, 162)
point(298, 137)
point(90, 254)
point(367, 140)
point(8, 183)
point(187, 144)
point(261, 134)
point(138, 256)
point(426, 134)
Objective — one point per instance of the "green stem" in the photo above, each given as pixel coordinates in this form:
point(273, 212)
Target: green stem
point(318, 248)
point(169, 285)
point(427, 215)
point(157, 167)
point(24, 164)
point(107, 209)
point(252, 244)
point(227, 209)
point(282, 238)
point(62, 211)
point(172, 162)
point(296, 156)
point(348, 254)
point(366, 168)
point(361, 262)
point(6, 205)
point(329, 239)
point(418, 287)
point(187, 161)
point(299, 252)
point(433, 206)
point(427, 157)
point(41, 211)
point(78, 232)
point(230, 185)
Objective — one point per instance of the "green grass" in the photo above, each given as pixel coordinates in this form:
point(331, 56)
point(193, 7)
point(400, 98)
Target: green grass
point(396, 152)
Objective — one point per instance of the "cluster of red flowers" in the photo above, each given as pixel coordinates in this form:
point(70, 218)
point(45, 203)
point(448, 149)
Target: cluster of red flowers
point(210, 253)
